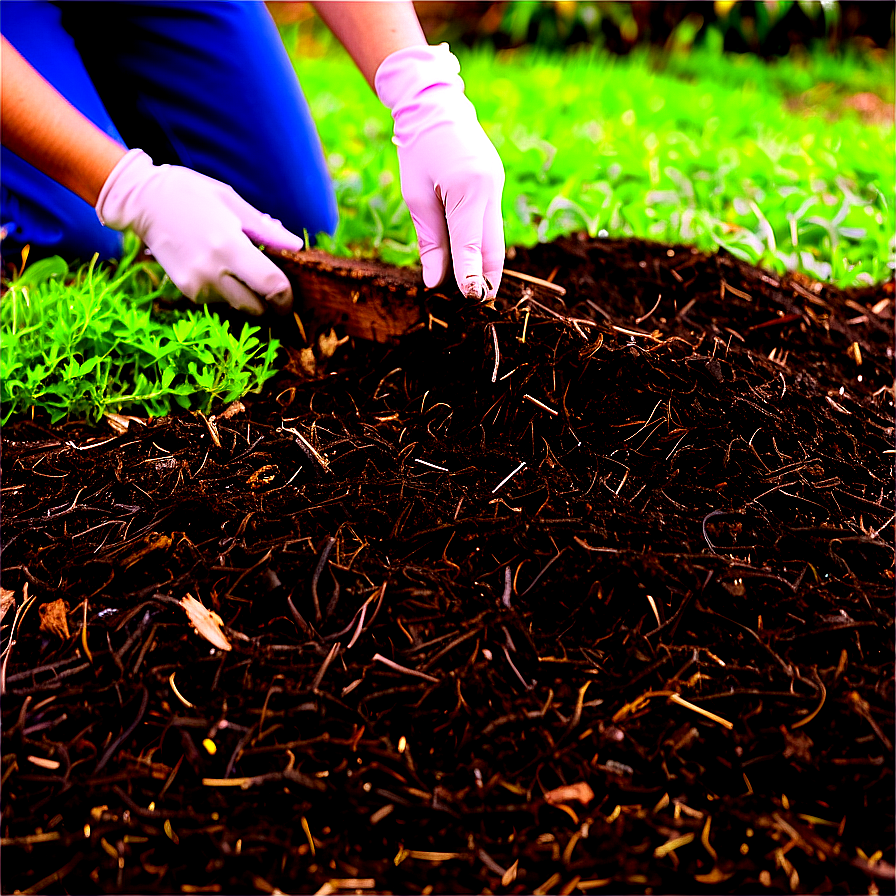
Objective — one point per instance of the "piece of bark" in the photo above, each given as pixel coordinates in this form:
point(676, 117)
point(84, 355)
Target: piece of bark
point(365, 299)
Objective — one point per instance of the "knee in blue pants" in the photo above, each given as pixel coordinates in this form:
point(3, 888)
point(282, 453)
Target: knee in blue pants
point(203, 84)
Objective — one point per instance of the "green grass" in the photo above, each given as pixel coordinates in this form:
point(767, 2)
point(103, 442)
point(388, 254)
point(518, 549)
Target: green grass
point(702, 148)
point(694, 147)
point(826, 77)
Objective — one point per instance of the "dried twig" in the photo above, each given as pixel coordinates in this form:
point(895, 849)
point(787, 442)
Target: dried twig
point(379, 658)
point(536, 281)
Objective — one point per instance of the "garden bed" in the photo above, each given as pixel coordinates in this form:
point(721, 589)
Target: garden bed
point(589, 592)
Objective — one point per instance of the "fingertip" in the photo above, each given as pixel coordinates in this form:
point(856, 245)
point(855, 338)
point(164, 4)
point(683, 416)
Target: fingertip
point(428, 216)
point(269, 232)
point(435, 266)
point(285, 240)
point(473, 287)
point(493, 252)
point(264, 279)
point(492, 283)
point(247, 304)
point(468, 269)
point(281, 301)
point(240, 296)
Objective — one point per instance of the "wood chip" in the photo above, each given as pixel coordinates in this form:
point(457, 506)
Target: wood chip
point(206, 622)
point(716, 876)
point(263, 476)
point(580, 792)
point(328, 342)
point(40, 762)
point(54, 618)
point(380, 814)
point(674, 843)
point(120, 423)
point(7, 601)
point(234, 408)
point(211, 427)
point(594, 884)
point(510, 874)
point(548, 885)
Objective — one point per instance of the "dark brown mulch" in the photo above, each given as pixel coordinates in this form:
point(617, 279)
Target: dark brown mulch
point(683, 600)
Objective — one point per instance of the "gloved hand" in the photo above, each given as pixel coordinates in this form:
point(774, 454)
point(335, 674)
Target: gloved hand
point(451, 175)
point(200, 231)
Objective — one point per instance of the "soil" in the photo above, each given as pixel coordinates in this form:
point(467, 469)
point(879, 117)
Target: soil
point(588, 592)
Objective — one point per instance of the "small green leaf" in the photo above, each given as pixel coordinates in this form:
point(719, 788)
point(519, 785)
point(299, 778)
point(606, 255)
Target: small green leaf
point(41, 271)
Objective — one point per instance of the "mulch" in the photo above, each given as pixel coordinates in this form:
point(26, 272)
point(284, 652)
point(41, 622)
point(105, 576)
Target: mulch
point(588, 593)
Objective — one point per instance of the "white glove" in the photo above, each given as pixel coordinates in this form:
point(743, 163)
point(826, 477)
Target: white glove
point(451, 175)
point(200, 231)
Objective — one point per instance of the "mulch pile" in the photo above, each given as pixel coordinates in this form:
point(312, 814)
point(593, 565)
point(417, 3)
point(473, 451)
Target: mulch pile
point(593, 592)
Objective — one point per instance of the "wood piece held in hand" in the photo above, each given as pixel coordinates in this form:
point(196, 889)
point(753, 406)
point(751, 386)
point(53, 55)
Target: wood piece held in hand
point(365, 299)
point(368, 299)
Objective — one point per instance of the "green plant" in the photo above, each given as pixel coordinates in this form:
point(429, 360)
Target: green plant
point(87, 343)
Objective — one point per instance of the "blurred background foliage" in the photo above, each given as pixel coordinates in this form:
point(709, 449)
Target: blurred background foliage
point(767, 27)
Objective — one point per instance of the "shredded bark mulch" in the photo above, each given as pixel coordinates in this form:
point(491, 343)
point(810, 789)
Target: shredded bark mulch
point(589, 592)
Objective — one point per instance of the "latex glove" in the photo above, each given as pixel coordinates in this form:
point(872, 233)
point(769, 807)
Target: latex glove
point(200, 231)
point(451, 175)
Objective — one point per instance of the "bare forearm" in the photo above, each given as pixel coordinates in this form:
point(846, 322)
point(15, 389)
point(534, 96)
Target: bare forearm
point(42, 127)
point(371, 31)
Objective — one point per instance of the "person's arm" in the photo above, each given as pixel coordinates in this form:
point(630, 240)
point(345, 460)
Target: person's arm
point(451, 175)
point(199, 229)
point(42, 127)
point(371, 31)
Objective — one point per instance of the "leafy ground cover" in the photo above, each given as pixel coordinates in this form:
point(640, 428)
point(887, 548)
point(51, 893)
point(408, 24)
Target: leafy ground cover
point(88, 342)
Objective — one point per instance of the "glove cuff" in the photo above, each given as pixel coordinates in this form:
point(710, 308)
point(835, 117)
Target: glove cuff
point(405, 74)
point(422, 87)
point(114, 207)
